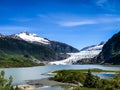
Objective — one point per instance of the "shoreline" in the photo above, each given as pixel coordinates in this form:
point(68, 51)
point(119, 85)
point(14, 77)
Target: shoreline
point(43, 82)
point(50, 82)
point(26, 87)
point(46, 82)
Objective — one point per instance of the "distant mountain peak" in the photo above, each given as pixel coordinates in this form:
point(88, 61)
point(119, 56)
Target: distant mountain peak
point(102, 43)
point(31, 37)
point(58, 47)
point(94, 47)
point(25, 32)
point(30, 34)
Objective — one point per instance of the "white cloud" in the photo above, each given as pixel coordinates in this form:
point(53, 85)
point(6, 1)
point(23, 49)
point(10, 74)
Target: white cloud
point(90, 21)
point(109, 5)
point(109, 20)
point(77, 23)
point(101, 2)
point(75, 20)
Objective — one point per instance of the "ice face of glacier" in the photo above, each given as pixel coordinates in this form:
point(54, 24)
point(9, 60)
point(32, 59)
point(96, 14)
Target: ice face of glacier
point(88, 52)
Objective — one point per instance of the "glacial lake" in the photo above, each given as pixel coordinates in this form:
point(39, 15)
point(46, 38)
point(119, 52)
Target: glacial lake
point(21, 75)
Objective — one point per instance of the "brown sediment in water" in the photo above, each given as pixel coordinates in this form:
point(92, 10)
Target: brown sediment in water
point(43, 82)
point(49, 82)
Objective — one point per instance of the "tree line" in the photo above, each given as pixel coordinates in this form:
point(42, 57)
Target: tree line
point(88, 80)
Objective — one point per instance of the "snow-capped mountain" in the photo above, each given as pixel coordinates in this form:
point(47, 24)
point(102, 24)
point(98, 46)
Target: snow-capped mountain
point(94, 47)
point(31, 38)
point(56, 46)
point(86, 53)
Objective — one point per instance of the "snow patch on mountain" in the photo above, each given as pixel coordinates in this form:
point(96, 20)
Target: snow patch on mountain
point(89, 52)
point(98, 47)
point(32, 38)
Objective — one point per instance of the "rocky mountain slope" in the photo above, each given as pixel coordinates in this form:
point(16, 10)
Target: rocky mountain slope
point(16, 53)
point(111, 51)
point(84, 56)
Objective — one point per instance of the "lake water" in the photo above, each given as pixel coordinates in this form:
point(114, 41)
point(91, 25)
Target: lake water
point(105, 75)
point(51, 88)
point(20, 75)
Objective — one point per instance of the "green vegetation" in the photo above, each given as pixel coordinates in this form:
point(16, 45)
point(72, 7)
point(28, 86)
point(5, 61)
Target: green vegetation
point(86, 70)
point(91, 81)
point(17, 61)
point(6, 84)
point(111, 51)
point(88, 81)
point(84, 88)
point(18, 53)
point(70, 76)
point(12, 46)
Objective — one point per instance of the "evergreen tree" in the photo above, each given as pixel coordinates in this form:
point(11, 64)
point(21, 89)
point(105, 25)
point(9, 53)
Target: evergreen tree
point(6, 84)
point(91, 81)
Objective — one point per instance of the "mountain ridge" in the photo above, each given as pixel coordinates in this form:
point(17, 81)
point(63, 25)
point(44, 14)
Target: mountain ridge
point(35, 39)
point(111, 51)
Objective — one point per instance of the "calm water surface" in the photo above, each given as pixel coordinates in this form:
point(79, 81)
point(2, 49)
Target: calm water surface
point(20, 75)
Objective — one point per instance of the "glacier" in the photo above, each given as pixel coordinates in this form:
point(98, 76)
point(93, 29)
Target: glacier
point(89, 52)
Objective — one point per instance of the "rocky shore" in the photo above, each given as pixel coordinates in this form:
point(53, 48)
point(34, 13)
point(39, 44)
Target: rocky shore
point(32, 84)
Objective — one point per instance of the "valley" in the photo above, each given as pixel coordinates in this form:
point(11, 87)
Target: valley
point(23, 50)
point(27, 49)
point(59, 45)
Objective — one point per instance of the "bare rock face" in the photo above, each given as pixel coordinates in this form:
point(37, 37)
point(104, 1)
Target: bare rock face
point(62, 47)
point(111, 51)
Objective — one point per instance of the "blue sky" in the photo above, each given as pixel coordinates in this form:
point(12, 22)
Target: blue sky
point(78, 23)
